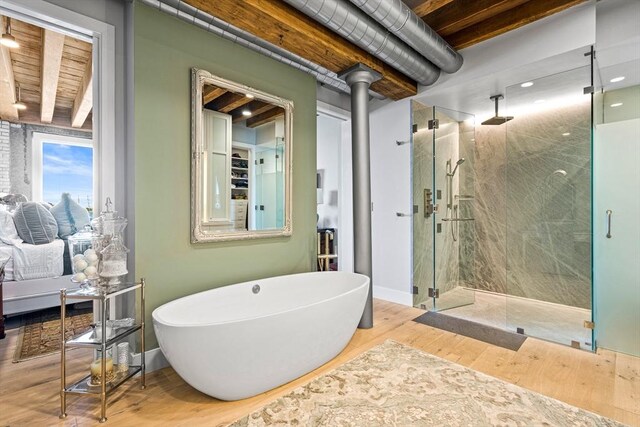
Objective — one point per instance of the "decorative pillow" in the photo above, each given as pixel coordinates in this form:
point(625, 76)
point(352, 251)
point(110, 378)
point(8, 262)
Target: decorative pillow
point(70, 216)
point(35, 224)
point(8, 232)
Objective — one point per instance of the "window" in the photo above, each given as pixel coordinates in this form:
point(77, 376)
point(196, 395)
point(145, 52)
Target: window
point(62, 164)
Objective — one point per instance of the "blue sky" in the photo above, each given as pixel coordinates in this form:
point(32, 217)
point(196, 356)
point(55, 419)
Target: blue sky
point(67, 169)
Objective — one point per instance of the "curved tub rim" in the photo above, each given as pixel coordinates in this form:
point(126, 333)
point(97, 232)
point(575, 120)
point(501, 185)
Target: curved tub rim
point(225, 322)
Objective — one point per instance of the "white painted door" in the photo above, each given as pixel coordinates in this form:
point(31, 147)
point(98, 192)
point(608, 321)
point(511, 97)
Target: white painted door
point(616, 163)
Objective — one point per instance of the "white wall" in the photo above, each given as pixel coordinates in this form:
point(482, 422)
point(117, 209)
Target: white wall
point(328, 160)
point(391, 193)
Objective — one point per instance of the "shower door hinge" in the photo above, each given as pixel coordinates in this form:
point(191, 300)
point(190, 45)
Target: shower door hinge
point(415, 209)
point(433, 124)
point(589, 324)
point(434, 293)
point(588, 90)
point(415, 290)
point(414, 128)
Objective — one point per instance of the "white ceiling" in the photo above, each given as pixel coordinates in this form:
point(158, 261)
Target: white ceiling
point(617, 43)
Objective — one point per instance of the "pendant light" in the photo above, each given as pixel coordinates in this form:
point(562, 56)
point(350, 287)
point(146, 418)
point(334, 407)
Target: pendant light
point(7, 39)
point(19, 104)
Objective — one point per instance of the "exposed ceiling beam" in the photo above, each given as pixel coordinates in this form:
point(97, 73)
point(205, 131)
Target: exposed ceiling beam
point(211, 93)
point(266, 117)
point(84, 99)
point(460, 14)
point(61, 118)
point(256, 107)
point(7, 85)
point(507, 21)
point(284, 26)
point(52, 45)
point(229, 101)
point(429, 6)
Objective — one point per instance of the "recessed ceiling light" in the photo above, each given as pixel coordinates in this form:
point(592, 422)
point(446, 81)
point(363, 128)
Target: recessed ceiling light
point(617, 104)
point(538, 101)
point(566, 134)
point(249, 95)
point(617, 79)
point(526, 84)
point(246, 112)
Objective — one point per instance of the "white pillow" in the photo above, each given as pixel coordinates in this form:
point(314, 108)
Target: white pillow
point(8, 232)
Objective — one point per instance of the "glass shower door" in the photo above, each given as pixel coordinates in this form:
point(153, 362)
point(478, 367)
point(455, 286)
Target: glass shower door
point(443, 207)
point(548, 208)
point(423, 204)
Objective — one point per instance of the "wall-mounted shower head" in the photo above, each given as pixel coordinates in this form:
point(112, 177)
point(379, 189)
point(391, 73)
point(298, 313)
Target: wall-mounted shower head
point(497, 120)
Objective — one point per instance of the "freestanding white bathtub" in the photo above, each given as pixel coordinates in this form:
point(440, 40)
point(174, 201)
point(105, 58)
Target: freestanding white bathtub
point(237, 341)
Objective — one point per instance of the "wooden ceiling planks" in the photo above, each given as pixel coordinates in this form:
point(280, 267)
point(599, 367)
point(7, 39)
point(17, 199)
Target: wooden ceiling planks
point(457, 15)
point(509, 20)
point(284, 26)
point(268, 116)
point(463, 23)
point(26, 62)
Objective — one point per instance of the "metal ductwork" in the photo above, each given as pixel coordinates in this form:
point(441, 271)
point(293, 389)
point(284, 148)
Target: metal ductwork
point(356, 26)
point(400, 20)
point(214, 25)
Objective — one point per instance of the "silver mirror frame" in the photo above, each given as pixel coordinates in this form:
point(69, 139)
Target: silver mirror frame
point(199, 234)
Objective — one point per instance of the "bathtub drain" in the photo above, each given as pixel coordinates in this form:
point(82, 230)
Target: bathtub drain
point(256, 289)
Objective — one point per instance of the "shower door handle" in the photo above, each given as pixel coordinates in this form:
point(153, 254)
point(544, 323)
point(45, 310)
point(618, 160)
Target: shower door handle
point(609, 212)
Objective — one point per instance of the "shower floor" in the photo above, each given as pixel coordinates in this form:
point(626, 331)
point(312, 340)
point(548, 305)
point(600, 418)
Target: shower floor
point(548, 321)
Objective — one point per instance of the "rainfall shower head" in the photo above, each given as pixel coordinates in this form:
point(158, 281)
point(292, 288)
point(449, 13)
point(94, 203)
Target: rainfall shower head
point(497, 120)
point(458, 163)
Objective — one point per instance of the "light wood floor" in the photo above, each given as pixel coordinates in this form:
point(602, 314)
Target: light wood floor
point(607, 383)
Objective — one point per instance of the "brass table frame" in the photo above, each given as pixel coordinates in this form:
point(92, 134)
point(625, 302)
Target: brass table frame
point(87, 340)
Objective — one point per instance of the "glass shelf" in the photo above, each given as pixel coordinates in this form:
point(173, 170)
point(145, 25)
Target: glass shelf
point(88, 339)
point(100, 292)
point(83, 387)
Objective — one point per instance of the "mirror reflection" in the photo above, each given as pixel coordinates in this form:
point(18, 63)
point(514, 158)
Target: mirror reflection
point(242, 163)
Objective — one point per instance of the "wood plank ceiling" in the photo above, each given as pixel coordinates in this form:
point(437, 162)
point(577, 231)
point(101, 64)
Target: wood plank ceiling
point(54, 74)
point(462, 23)
point(219, 99)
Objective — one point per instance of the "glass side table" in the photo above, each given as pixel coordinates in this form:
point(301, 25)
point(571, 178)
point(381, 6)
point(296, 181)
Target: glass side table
point(104, 381)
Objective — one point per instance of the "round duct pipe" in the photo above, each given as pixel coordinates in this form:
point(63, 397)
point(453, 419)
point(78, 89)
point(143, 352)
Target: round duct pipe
point(356, 26)
point(400, 20)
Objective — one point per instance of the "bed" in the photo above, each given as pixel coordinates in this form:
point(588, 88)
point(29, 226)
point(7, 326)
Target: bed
point(33, 276)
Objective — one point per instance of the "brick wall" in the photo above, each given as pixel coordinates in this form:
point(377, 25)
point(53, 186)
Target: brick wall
point(5, 157)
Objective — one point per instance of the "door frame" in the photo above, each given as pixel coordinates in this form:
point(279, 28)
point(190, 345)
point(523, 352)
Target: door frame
point(102, 36)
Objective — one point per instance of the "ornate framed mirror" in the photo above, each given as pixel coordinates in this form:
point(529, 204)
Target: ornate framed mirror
point(240, 161)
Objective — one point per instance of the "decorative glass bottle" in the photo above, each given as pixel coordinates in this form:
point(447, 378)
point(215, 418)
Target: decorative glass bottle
point(113, 265)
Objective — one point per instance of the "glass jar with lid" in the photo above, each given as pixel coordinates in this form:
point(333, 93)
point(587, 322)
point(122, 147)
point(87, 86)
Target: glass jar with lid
point(84, 258)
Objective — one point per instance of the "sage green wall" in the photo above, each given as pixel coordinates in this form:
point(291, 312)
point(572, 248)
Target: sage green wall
point(165, 51)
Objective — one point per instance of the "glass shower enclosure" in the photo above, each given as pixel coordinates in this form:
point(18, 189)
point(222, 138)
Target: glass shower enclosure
point(502, 211)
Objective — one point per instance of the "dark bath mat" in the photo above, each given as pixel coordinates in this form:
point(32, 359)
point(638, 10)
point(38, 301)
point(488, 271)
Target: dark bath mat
point(477, 331)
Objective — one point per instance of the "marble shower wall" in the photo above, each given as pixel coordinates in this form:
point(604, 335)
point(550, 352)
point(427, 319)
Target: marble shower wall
point(532, 232)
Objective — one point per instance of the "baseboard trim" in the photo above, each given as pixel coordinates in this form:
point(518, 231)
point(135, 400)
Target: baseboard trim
point(154, 360)
point(393, 295)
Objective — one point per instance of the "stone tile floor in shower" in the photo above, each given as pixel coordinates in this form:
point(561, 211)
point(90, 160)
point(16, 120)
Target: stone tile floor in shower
point(548, 321)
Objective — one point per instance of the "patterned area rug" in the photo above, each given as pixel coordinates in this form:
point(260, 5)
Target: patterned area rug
point(396, 385)
point(40, 331)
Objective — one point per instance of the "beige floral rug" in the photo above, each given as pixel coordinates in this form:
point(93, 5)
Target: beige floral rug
point(40, 331)
point(396, 385)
